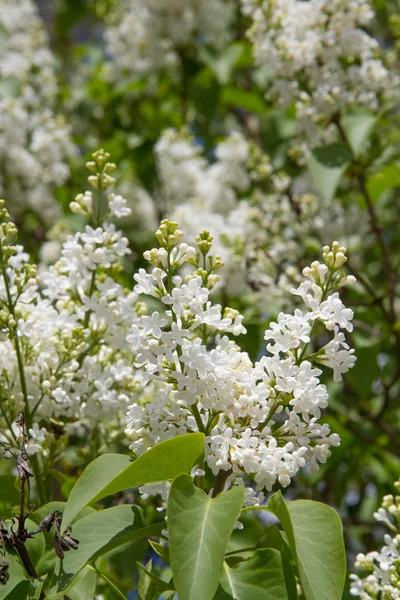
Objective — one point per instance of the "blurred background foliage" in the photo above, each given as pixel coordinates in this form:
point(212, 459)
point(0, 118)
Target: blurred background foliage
point(212, 91)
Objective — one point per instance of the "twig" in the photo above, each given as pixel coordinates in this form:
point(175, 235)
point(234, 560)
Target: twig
point(220, 481)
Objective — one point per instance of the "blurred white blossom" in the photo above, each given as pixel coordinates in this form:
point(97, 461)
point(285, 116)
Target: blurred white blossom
point(34, 141)
point(321, 58)
point(381, 577)
point(147, 35)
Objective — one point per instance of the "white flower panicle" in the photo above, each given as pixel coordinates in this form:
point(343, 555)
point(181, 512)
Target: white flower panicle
point(279, 216)
point(205, 196)
point(34, 141)
point(260, 420)
point(70, 326)
point(257, 216)
point(321, 57)
point(381, 569)
point(147, 36)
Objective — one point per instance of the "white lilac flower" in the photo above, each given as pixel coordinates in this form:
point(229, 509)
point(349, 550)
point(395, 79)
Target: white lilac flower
point(118, 206)
point(146, 36)
point(34, 141)
point(36, 439)
point(204, 195)
point(73, 324)
point(259, 419)
point(322, 60)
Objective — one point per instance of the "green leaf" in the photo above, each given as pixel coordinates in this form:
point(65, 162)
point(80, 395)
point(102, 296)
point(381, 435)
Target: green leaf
point(22, 591)
point(199, 530)
point(150, 586)
point(47, 563)
point(251, 101)
point(36, 589)
point(99, 533)
point(260, 578)
point(46, 509)
point(386, 179)
point(224, 64)
point(161, 550)
point(72, 583)
point(4, 37)
point(9, 495)
point(204, 92)
point(9, 87)
point(17, 585)
point(147, 588)
point(112, 473)
point(358, 127)
point(86, 588)
point(365, 371)
point(327, 166)
point(35, 545)
point(314, 533)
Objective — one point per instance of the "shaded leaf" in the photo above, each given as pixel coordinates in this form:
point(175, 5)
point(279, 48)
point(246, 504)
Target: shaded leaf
point(260, 578)
point(9, 495)
point(314, 533)
point(35, 545)
point(85, 588)
point(112, 473)
point(147, 588)
point(73, 583)
point(358, 127)
point(386, 179)
point(250, 101)
point(150, 586)
point(99, 533)
point(327, 166)
point(224, 64)
point(199, 530)
point(9, 87)
point(17, 585)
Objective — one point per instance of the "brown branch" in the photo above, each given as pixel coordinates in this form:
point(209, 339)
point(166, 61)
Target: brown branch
point(220, 481)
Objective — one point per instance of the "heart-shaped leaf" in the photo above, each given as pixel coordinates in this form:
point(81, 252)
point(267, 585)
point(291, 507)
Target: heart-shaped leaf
point(199, 530)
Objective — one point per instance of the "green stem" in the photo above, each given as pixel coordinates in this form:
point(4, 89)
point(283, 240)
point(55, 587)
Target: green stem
point(96, 223)
point(109, 582)
point(169, 273)
point(37, 405)
point(22, 378)
point(91, 290)
point(270, 414)
point(196, 415)
point(252, 549)
point(11, 308)
point(8, 422)
point(314, 325)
